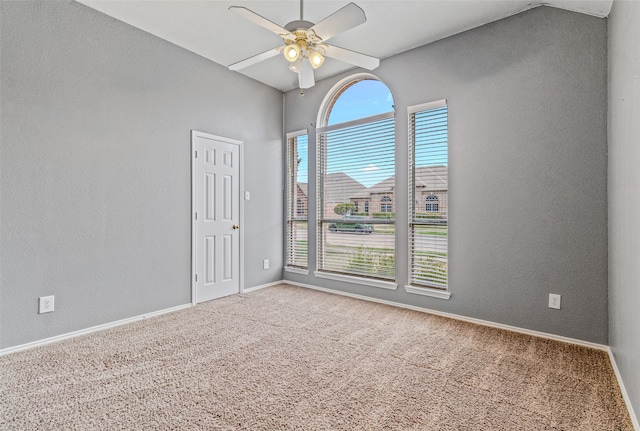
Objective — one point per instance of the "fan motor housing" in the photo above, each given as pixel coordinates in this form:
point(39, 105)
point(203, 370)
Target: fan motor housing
point(298, 25)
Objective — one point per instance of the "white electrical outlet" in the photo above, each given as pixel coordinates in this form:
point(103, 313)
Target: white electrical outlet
point(45, 304)
point(554, 300)
point(265, 264)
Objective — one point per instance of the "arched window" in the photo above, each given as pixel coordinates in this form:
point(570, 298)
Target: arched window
point(356, 159)
point(385, 205)
point(432, 204)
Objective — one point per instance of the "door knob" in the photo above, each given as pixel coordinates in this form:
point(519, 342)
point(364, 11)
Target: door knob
point(235, 226)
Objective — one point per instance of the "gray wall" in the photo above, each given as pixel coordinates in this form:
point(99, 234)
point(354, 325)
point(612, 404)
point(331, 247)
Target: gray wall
point(527, 100)
point(624, 197)
point(95, 168)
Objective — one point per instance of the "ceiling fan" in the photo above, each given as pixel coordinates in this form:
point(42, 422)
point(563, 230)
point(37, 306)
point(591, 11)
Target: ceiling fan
point(305, 44)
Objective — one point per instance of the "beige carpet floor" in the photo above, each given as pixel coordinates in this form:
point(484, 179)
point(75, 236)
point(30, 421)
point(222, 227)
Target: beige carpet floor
point(288, 358)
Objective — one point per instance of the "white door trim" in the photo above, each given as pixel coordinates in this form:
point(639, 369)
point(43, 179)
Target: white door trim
point(194, 134)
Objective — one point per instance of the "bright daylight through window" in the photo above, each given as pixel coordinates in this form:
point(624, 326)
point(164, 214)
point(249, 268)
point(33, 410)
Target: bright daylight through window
point(428, 191)
point(297, 201)
point(356, 180)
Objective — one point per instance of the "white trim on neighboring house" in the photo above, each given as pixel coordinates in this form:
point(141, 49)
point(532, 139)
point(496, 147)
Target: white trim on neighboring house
point(90, 330)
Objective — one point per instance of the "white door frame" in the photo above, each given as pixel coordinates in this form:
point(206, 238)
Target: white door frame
point(194, 134)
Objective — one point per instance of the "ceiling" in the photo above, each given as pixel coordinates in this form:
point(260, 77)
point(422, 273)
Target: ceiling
point(208, 28)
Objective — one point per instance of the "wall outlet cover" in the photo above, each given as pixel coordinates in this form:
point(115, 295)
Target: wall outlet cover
point(46, 304)
point(554, 300)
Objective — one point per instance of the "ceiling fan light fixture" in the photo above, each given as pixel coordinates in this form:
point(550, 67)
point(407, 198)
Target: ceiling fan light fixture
point(316, 59)
point(296, 66)
point(292, 52)
point(304, 42)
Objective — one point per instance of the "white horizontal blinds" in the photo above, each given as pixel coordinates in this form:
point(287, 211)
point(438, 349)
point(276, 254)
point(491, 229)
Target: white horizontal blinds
point(428, 195)
point(356, 202)
point(297, 200)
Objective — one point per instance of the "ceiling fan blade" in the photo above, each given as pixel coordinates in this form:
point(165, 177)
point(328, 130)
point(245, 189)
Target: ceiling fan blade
point(250, 15)
point(305, 76)
point(342, 20)
point(255, 59)
point(351, 57)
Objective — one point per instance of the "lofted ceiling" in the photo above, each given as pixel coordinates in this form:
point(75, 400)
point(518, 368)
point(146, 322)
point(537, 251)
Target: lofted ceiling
point(208, 28)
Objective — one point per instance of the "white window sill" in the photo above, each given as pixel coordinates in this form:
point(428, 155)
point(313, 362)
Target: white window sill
point(295, 270)
point(425, 291)
point(357, 280)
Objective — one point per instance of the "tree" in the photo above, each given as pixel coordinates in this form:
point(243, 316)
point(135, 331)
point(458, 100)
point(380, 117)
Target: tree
point(345, 208)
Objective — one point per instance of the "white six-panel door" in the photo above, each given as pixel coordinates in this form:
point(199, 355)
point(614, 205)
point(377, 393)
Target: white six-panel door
point(216, 183)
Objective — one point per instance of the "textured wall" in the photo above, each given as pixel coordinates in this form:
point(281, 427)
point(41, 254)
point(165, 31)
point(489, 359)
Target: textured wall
point(95, 167)
point(527, 100)
point(624, 193)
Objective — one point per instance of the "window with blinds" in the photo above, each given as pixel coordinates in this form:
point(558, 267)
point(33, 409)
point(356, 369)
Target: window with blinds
point(297, 200)
point(428, 195)
point(356, 202)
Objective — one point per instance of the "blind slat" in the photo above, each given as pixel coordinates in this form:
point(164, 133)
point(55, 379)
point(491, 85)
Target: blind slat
point(356, 166)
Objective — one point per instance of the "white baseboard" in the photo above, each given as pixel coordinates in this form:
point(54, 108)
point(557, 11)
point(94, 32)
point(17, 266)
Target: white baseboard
point(109, 325)
point(262, 286)
point(90, 330)
point(458, 317)
point(625, 395)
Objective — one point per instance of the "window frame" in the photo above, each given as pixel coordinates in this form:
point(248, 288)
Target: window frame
point(292, 215)
point(441, 292)
point(321, 162)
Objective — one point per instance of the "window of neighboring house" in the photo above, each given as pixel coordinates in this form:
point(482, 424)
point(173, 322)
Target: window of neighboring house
point(356, 157)
point(385, 205)
point(356, 209)
point(432, 204)
point(428, 175)
point(297, 200)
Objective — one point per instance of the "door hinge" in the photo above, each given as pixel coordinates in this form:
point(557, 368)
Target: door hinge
point(195, 154)
point(195, 215)
point(196, 278)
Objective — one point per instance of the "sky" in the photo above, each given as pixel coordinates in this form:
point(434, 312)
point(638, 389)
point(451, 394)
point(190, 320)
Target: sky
point(363, 99)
